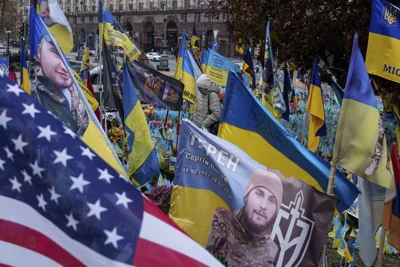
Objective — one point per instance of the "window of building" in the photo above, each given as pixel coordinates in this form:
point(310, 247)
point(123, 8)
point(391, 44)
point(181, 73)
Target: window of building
point(111, 7)
point(82, 19)
point(130, 7)
point(76, 9)
point(224, 16)
point(174, 4)
point(86, 8)
point(151, 5)
point(93, 8)
point(121, 7)
point(141, 6)
point(185, 18)
point(187, 3)
point(91, 19)
point(74, 19)
point(199, 17)
point(68, 10)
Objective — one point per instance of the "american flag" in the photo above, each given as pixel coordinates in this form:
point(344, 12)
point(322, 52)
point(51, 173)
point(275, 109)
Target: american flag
point(62, 205)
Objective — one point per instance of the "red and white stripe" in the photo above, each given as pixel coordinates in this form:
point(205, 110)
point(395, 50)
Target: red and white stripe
point(29, 239)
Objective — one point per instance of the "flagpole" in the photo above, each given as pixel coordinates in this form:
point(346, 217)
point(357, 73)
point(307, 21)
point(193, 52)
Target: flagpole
point(99, 84)
point(381, 247)
point(177, 132)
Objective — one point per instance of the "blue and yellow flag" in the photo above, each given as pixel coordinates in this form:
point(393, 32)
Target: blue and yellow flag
point(315, 107)
point(248, 68)
point(184, 71)
point(101, 22)
point(360, 145)
point(383, 53)
point(25, 82)
point(204, 57)
point(114, 36)
point(239, 47)
point(142, 156)
point(195, 41)
point(56, 22)
point(261, 136)
point(85, 61)
point(58, 90)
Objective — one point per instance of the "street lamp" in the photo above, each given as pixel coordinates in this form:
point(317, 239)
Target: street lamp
point(8, 42)
point(164, 6)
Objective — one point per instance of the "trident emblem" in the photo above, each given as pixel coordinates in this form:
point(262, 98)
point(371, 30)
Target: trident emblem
point(297, 234)
point(390, 15)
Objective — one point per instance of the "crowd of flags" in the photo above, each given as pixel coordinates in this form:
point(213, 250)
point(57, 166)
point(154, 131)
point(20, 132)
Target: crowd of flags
point(22, 119)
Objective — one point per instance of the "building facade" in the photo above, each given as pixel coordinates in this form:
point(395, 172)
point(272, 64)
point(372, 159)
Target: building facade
point(145, 20)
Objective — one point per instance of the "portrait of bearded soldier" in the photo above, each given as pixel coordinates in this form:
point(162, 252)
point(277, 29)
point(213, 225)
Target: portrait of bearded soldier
point(243, 237)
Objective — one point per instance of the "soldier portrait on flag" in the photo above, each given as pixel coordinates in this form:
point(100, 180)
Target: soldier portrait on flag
point(244, 236)
point(52, 87)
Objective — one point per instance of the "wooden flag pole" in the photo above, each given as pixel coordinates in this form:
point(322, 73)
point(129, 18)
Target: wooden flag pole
point(329, 192)
point(381, 247)
point(177, 132)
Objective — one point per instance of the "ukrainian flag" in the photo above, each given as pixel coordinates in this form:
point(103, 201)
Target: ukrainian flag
point(83, 73)
point(248, 68)
point(142, 157)
point(195, 41)
point(383, 53)
point(184, 71)
point(239, 47)
point(264, 139)
point(25, 82)
point(315, 107)
point(357, 132)
point(204, 57)
point(114, 36)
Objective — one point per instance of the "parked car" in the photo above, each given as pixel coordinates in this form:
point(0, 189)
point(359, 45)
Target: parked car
point(94, 74)
point(154, 56)
point(3, 50)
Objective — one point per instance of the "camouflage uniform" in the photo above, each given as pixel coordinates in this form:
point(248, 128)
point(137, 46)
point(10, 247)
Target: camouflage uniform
point(74, 117)
point(228, 238)
point(378, 152)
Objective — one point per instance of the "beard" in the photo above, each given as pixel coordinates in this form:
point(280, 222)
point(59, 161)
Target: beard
point(253, 226)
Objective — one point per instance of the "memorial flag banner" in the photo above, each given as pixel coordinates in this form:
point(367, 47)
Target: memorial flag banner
point(153, 87)
point(54, 86)
point(221, 197)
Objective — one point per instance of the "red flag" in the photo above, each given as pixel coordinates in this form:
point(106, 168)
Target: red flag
point(391, 218)
point(12, 76)
point(90, 87)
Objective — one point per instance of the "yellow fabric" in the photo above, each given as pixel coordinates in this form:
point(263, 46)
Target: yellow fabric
point(26, 83)
point(63, 37)
point(317, 119)
point(252, 143)
point(88, 95)
point(95, 140)
point(356, 137)
point(194, 204)
point(116, 38)
point(383, 57)
point(189, 92)
point(142, 144)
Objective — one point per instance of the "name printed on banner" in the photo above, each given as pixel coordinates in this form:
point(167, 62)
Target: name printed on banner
point(391, 70)
point(189, 95)
point(223, 159)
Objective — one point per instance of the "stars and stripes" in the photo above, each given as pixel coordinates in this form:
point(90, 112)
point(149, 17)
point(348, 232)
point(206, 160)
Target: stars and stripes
point(61, 204)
